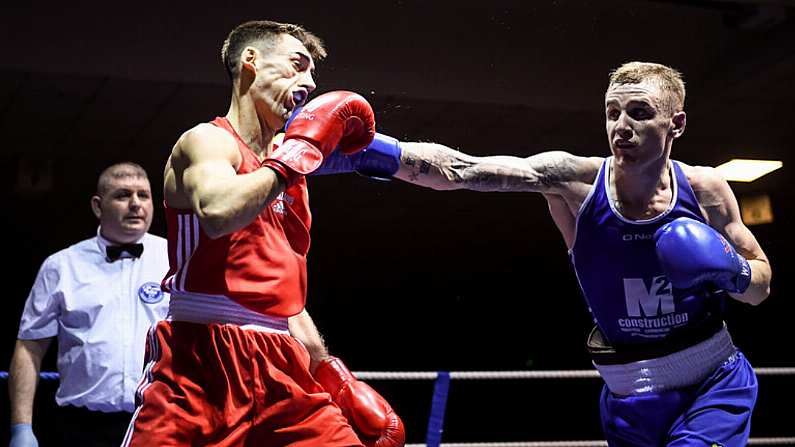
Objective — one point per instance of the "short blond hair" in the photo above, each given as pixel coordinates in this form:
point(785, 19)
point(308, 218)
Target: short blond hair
point(666, 78)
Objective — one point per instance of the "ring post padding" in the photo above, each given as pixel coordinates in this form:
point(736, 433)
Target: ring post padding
point(433, 437)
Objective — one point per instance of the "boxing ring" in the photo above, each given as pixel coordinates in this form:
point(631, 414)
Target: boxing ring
point(443, 379)
point(441, 388)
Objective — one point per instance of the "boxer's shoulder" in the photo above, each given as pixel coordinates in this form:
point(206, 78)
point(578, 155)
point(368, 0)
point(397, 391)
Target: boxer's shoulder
point(205, 134)
point(708, 184)
point(562, 167)
point(713, 193)
point(702, 177)
point(206, 141)
point(585, 171)
point(590, 166)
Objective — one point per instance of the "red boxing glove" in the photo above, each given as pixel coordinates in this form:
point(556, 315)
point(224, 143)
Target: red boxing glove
point(333, 120)
point(369, 414)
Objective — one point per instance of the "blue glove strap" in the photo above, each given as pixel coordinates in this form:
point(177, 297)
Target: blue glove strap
point(338, 163)
point(744, 275)
point(381, 159)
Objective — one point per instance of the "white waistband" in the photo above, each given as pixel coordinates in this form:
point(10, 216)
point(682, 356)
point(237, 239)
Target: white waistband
point(680, 369)
point(206, 309)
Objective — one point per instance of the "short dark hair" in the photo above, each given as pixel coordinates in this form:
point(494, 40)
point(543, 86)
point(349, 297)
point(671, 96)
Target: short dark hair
point(121, 170)
point(263, 34)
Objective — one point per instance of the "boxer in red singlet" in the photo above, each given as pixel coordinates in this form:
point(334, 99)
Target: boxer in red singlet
point(239, 361)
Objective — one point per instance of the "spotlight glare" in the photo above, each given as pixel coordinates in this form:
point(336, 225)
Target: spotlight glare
point(744, 170)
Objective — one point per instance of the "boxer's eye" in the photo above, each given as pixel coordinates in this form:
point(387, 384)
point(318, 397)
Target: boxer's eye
point(640, 114)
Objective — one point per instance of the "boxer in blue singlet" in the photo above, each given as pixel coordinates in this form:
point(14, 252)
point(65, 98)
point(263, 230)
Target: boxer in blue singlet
point(658, 247)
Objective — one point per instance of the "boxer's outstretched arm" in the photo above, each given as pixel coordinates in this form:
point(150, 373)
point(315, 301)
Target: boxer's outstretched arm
point(440, 167)
point(202, 175)
point(723, 214)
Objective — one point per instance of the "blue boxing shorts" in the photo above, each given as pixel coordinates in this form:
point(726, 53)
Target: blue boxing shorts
point(715, 412)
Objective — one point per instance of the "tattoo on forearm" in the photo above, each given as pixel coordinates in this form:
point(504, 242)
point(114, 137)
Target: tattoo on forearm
point(556, 173)
point(439, 165)
point(536, 175)
point(484, 178)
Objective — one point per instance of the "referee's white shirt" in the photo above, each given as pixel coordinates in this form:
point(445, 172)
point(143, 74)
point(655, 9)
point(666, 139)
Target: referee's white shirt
point(101, 312)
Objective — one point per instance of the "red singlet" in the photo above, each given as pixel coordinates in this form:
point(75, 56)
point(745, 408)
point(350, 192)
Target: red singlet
point(262, 266)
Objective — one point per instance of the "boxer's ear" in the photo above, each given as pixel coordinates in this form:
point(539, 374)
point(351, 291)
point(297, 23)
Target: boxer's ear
point(96, 206)
point(248, 60)
point(679, 121)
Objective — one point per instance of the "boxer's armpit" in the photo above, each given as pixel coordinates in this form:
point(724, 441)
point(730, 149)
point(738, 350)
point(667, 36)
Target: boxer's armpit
point(442, 168)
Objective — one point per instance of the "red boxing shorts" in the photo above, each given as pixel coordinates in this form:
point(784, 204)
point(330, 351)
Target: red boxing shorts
point(222, 385)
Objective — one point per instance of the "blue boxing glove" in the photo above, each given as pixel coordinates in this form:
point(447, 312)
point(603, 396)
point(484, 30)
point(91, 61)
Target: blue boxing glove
point(380, 160)
point(22, 436)
point(692, 253)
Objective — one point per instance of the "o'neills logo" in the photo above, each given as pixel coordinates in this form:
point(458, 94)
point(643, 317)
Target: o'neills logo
point(636, 237)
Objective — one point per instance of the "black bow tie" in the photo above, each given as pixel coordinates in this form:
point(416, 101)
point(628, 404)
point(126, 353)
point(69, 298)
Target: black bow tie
point(115, 251)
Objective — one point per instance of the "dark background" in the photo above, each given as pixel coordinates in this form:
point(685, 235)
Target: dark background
point(403, 278)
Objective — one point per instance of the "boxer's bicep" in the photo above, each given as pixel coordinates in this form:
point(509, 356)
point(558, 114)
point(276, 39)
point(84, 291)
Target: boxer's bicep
point(206, 160)
point(725, 217)
point(728, 220)
point(203, 182)
point(720, 208)
point(442, 168)
point(761, 272)
point(223, 200)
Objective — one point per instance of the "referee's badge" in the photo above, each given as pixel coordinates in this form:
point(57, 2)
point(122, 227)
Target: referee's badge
point(150, 293)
